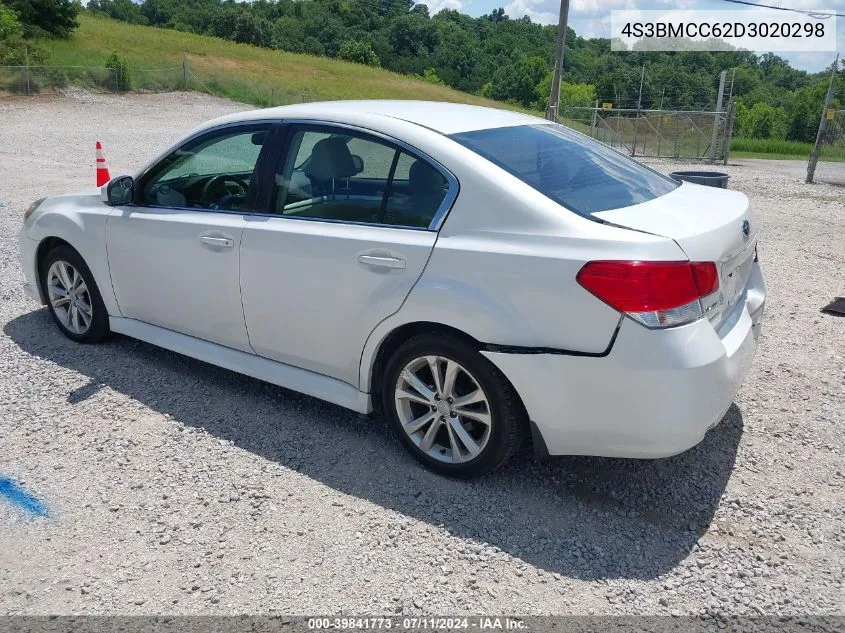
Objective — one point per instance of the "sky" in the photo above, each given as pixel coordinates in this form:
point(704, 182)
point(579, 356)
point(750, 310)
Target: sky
point(591, 18)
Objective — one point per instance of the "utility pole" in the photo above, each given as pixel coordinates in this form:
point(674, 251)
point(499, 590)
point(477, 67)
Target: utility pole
point(26, 55)
point(560, 53)
point(637, 118)
point(717, 117)
point(660, 121)
point(729, 131)
point(184, 71)
point(817, 150)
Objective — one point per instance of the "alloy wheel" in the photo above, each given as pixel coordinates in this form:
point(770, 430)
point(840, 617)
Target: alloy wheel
point(69, 297)
point(443, 409)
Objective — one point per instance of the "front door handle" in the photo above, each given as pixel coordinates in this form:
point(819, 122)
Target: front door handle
point(218, 242)
point(382, 261)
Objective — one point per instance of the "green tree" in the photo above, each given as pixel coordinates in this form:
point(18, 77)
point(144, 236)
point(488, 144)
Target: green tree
point(806, 113)
point(571, 95)
point(242, 26)
point(359, 52)
point(120, 68)
point(289, 34)
point(16, 51)
point(518, 81)
point(430, 75)
point(123, 10)
point(46, 18)
point(412, 35)
point(10, 26)
point(761, 121)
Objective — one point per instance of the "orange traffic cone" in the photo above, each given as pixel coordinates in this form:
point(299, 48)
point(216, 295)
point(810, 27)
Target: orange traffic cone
point(102, 171)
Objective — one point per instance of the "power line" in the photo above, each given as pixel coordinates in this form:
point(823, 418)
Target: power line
point(811, 13)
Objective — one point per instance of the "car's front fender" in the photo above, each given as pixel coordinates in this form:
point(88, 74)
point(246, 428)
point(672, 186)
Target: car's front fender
point(80, 220)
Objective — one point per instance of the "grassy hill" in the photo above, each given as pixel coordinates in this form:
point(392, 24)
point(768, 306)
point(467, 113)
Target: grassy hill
point(245, 73)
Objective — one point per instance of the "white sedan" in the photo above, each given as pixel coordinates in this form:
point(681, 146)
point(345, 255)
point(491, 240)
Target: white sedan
point(479, 277)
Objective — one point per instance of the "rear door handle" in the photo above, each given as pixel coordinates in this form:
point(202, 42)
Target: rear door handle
point(218, 242)
point(382, 261)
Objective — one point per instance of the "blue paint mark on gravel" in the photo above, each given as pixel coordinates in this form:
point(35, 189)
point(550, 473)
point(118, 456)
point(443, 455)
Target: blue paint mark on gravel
point(17, 496)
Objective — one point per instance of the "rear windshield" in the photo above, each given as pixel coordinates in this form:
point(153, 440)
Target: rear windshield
point(570, 168)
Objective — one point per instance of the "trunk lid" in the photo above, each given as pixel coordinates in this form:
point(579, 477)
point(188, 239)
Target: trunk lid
point(710, 225)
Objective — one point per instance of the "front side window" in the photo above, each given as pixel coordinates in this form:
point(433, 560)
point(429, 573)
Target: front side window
point(572, 169)
point(211, 172)
point(333, 174)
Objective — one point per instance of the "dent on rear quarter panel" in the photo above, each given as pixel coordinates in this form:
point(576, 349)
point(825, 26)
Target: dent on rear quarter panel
point(80, 220)
point(511, 291)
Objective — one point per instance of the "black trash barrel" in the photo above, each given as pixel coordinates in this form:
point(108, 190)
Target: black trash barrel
point(708, 178)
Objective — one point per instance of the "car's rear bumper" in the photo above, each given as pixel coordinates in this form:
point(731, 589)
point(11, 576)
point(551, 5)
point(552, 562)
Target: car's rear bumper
point(654, 395)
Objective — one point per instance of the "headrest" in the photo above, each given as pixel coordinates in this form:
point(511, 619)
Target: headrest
point(330, 159)
point(423, 178)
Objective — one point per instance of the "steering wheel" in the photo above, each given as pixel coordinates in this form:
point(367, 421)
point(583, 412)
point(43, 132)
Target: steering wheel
point(227, 194)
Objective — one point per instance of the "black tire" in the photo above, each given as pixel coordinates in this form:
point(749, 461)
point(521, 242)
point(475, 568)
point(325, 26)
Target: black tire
point(99, 326)
point(507, 415)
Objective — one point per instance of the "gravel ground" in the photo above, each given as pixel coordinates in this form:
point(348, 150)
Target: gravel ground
point(177, 487)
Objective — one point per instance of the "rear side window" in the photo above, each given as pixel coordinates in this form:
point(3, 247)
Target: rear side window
point(345, 176)
point(570, 168)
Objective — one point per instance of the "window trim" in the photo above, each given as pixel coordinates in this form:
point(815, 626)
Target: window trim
point(285, 134)
point(258, 171)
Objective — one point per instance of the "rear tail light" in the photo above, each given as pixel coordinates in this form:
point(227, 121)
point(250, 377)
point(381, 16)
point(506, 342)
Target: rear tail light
point(657, 294)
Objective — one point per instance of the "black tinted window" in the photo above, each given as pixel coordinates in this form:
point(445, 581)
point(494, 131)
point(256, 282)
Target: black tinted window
point(570, 168)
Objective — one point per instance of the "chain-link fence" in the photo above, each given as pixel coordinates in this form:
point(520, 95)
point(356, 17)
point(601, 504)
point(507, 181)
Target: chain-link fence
point(831, 164)
point(34, 80)
point(657, 133)
point(46, 80)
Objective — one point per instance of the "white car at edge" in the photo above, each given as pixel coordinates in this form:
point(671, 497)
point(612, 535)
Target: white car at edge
point(479, 277)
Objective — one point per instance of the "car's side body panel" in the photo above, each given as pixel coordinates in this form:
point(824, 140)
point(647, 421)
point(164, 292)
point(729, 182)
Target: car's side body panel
point(309, 296)
point(164, 274)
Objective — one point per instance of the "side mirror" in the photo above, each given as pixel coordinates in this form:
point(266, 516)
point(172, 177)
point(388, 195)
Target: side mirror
point(120, 191)
point(358, 162)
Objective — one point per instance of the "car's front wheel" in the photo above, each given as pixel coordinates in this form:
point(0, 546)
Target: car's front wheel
point(73, 297)
point(450, 407)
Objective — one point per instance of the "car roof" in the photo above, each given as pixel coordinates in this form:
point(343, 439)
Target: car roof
point(442, 117)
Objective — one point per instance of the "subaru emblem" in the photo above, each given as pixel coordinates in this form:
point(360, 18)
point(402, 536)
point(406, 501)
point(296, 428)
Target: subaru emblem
point(746, 229)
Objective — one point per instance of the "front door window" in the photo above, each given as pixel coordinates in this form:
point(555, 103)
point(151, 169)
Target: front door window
point(212, 172)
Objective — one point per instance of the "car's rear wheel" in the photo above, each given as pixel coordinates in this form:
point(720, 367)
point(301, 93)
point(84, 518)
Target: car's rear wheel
point(73, 297)
point(450, 407)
